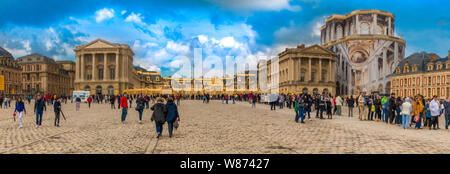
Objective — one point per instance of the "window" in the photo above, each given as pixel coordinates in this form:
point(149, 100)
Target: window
point(364, 28)
point(112, 58)
point(429, 80)
point(38, 67)
point(100, 58)
point(157, 79)
point(100, 74)
point(302, 76)
point(112, 74)
point(430, 67)
point(313, 75)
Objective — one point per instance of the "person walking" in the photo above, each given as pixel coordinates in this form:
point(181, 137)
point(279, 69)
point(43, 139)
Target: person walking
point(406, 113)
point(300, 107)
point(57, 109)
point(89, 100)
point(20, 109)
point(253, 101)
point(140, 104)
point(77, 103)
point(351, 105)
point(435, 112)
point(378, 106)
point(172, 115)
point(339, 103)
point(159, 115)
point(39, 107)
point(112, 100)
point(124, 105)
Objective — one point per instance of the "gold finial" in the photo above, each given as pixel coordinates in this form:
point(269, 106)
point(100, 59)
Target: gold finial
point(401, 35)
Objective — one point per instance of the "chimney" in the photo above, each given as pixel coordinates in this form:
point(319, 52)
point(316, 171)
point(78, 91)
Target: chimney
point(301, 46)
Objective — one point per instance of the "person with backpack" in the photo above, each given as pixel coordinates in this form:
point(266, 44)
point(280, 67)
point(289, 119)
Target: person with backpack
point(140, 103)
point(172, 115)
point(57, 109)
point(20, 109)
point(351, 105)
point(159, 115)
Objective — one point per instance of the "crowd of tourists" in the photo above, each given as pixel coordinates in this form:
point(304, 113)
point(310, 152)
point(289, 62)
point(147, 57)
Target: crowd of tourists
point(408, 112)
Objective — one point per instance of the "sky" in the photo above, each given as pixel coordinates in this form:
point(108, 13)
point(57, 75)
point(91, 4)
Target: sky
point(160, 31)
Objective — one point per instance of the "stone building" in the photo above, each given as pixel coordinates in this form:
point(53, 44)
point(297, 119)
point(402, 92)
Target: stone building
point(103, 67)
point(42, 75)
point(366, 50)
point(11, 73)
point(301, 69)
point(69, 66)
point(422, 73)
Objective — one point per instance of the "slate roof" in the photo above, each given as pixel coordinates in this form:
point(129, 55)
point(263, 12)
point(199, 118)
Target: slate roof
point(35, 58)
point(421, 60)
point(4, 53)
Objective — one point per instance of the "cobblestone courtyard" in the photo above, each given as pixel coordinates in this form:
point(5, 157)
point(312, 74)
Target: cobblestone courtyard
point(211, 128)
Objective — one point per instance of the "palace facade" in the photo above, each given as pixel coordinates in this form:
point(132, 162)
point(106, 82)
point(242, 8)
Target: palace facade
point(422, 73)
point(366, 50)
point(42, 75)
point(302, 69)
point(11, 74)
point(103, 67)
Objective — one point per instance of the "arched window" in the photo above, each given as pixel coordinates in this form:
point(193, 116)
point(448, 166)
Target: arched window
point(110, 90)
point(379, 29)
point(364, 28)
point(87, 88)
point(98, 90)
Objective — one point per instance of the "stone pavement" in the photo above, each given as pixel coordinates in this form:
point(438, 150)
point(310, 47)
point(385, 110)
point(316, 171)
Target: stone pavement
point(212, 128)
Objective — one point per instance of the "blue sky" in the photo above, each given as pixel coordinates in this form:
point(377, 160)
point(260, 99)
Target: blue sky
point(158, 31)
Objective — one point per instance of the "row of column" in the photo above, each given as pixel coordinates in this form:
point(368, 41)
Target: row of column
point(330, 34)
point(330, 74)
point(80, 72)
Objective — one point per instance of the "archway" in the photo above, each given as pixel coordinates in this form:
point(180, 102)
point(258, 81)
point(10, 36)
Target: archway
point(110, 90)
point(98, 90)
point(87, 88)
point(315, 91)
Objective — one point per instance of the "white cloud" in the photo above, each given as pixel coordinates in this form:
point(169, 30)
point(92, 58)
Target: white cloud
point(123, 12)
point(177, 47)
point(316, 29)
point(136, 18)
point(202, 38)
point(264, 5)
point(104, 14)
point(143, 62)
point(229, 42)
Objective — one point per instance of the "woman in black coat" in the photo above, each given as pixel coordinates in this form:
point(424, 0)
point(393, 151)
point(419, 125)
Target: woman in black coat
point(172, 114)
point(159, 115)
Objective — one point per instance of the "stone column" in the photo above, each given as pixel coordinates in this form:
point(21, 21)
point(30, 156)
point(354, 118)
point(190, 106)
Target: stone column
point(385, 65)
point(389, 29)
point(395, 53)
point(374, 24)
point(105, 66)
point(320, 70)
point(357, 25)
point(82, 68)
point(77, 67)
point(292, 70)
point(93, 67)
point(309, 69)
point(116, 71)
point(333, 34)
point(329, 71)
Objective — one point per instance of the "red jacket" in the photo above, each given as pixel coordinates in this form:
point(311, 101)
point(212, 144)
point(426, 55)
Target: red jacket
point(123, 102)
point(89, 100)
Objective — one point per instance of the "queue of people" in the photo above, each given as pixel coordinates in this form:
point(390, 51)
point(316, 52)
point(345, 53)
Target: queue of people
point(407, 112)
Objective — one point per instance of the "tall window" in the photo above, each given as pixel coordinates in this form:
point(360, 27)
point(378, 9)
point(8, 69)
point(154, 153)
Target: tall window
point(100, 74)
point(313, 75)
point(112, 74)
point(302, 76)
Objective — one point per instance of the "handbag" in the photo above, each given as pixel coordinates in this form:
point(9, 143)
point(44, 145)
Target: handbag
point(176, 124)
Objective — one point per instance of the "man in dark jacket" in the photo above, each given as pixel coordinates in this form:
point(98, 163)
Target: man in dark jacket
point(140, 104)
point(39, 107)
point(392, 108)
point(159, 115)
point(57, 109)
point(172, 114)
point(351, 105)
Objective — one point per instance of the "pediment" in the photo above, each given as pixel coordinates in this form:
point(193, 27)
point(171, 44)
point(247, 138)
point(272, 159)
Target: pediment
point(316, 49)
point(100, 44)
